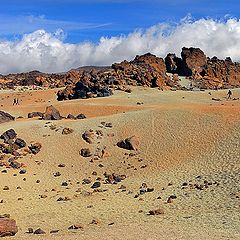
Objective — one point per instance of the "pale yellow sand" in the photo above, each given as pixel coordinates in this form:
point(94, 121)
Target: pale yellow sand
point(181, 138)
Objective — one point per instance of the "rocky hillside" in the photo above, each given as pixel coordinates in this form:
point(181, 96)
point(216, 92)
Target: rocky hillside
point(206, 73)
point(145, 70)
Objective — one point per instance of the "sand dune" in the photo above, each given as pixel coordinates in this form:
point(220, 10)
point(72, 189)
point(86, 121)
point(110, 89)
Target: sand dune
point(186, 138)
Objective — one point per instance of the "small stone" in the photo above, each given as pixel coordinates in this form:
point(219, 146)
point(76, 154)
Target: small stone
point(81, 116)
point(96, 185)
point(67, 131)
point(75, 227)
point(30, 230)
point(39, 231)
point(22, 171)
point(35, 148)
point(57, 174)
point(158, 211)
point(43, 196)
point(109, 125)
point(96, 221)
point(85, 152)
point(61, 165)
point(64, 184)
point(86, 181)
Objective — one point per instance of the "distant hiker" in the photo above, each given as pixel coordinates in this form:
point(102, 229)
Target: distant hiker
point(14, 101)
point(17, 103)
point(229, 94)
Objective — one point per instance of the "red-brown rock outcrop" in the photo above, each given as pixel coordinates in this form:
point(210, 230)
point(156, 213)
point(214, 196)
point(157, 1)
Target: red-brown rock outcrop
point(8, 227)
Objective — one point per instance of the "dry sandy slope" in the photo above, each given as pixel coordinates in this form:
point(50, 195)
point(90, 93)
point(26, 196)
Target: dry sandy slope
point(181, 138)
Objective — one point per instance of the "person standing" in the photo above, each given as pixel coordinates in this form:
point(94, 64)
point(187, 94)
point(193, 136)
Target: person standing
point(229, 94)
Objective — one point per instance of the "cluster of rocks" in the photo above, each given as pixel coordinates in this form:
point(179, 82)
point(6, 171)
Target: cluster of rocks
point(51, 113)
point(145, 70)
point(206, 73)
point(36, 78)
point(13, 148)
point(205, 184)
point(90, 136)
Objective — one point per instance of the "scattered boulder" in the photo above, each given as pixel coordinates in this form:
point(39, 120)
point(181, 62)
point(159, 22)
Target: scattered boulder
point(96, 185)
point(51, 113)
point(70, 116)
point(64, 184)
point(158, 211)
point(39, 231)
point(14, 164)
point(30, 230)
point(63, 199)
point(35, 148)
point(20, 143)
point(86, 181)
point(8, 135)
point(6, 117)
point(67, 131)
point(35, 114)
point(22, 171)
point(114, 178)
point(88, 136)
point(80, 116)
point(61, 165)
point(57, 174)
point(96, 221)
point(171, 198)
point(131, 143)
point(75, 227)
point(85, 152)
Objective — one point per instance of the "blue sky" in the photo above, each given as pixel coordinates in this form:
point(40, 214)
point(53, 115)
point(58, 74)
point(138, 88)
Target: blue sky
point(88, 20)
point(58, 35)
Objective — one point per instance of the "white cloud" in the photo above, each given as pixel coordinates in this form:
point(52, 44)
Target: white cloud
point(47, 52)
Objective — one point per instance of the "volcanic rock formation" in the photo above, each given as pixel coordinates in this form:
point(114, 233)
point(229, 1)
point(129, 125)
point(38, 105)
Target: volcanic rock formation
point(205, 72)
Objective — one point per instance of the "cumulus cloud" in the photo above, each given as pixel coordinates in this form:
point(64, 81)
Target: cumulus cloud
point(48, 52)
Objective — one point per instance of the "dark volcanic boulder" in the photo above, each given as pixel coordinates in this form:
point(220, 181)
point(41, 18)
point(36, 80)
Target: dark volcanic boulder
point(20, 143)
point(35, 114)
point(8, 135)
point(104, 92)
point(85, 152)
point(35, 148)
point(51, 113)
point(6, 117)
point(14, 164)
point(80, 116)
point(70, 116)
point(88, 136)
point(130, 143)
point(8, 227)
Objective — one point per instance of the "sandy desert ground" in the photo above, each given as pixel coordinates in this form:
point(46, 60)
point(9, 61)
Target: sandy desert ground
point(186, 140)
